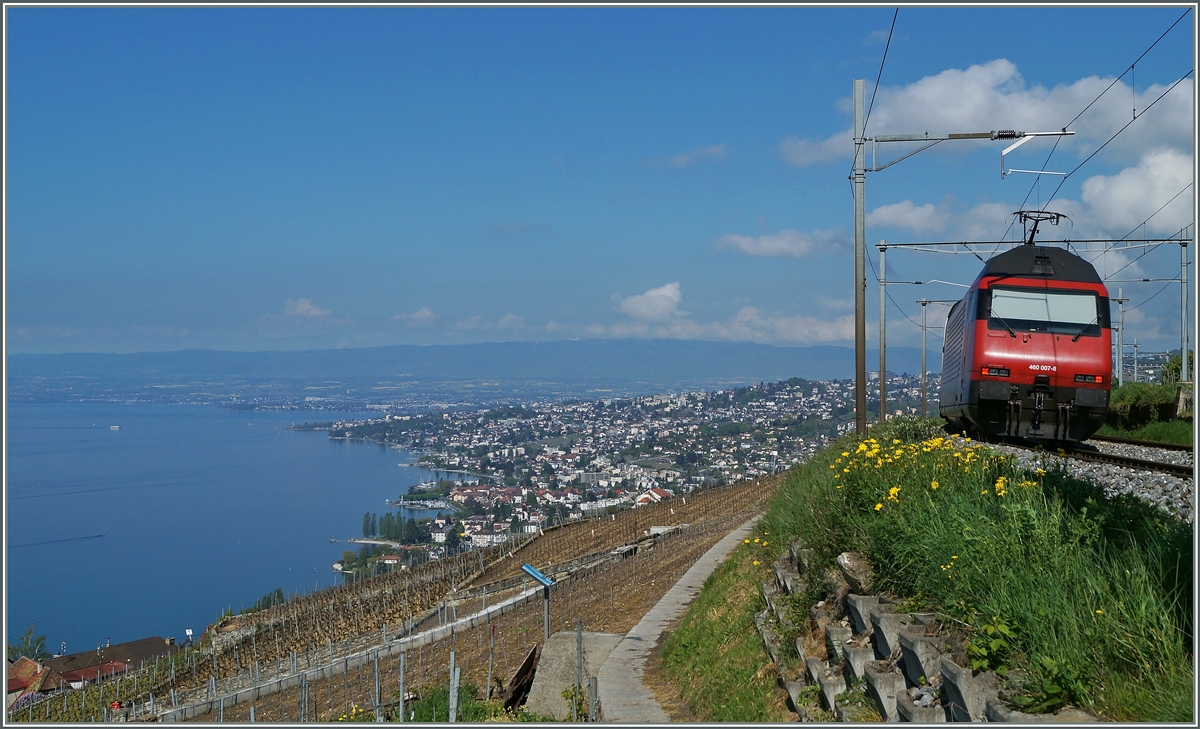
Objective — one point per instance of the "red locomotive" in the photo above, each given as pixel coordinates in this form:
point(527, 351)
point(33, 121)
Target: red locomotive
point(1028, 350)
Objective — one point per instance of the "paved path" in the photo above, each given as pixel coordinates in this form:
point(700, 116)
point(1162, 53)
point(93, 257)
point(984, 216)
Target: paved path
point(623, 696)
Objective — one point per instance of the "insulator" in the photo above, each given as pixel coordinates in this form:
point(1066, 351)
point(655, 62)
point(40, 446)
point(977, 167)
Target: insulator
point(1006, 134)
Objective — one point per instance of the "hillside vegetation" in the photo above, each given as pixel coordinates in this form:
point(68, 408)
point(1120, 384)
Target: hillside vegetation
point(1093, 596)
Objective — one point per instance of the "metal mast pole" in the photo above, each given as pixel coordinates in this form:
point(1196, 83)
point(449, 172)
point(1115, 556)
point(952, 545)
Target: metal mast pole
point(882, 333)
point(1135, 359)
point(1120, 337)
point(860, 268)
point(1185, 374)
point(924, 369)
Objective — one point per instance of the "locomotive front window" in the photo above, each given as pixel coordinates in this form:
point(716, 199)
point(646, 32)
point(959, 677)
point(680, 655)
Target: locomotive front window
point(1043, 310)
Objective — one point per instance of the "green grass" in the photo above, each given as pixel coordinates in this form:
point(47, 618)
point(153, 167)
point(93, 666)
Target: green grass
point(716, 656)
point(1135, 405)
point(1171, 431)
point(1102, 587)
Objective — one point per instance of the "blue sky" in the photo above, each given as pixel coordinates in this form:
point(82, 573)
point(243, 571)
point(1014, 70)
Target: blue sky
point(294, 178)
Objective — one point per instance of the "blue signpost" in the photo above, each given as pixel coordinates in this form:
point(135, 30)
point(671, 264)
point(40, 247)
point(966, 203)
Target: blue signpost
point(546, 582)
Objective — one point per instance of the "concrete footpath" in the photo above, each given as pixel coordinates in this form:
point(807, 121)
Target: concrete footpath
point(623, 696)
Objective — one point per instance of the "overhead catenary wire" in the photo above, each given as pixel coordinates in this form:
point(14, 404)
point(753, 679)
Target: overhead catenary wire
point(1089, 105)
point(1143, 253)
point(878, 76)
point(1114, 136)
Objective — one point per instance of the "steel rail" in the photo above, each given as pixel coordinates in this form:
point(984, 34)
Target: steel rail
point(1134, 463)
point(1142, 443)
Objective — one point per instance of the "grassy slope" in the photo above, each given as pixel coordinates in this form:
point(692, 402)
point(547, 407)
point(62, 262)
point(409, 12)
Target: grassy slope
point(716, 655)
point(1173, 431)
point(1101, 588)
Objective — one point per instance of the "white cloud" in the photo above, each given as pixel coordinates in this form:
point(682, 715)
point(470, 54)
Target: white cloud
point(787, 242)
point(993, 96)
point(1122, 201)
point(715, 152)
point(802, 152)
point(656, 314)
point(511, 321)
point(303, 309)
point(419, 318)
point(658, 304)
point(752, 325)
point(924, 219)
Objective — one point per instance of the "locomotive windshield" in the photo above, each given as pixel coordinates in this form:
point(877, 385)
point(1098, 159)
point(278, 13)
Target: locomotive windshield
point(1046, 310)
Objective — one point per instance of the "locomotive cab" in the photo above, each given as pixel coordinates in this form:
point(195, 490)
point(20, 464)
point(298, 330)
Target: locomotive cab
point(1027, 352)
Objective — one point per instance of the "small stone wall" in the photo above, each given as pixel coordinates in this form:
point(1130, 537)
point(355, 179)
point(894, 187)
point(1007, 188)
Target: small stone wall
point(862, 660)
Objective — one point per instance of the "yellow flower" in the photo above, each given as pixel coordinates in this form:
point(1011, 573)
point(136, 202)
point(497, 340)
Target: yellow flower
point(756, 540)
point(845, 453)
point(933, 484)
point(1099, 612)
point(954, 556)
point(745, 541)
point(764, 544)
point(756, 563)
point(878, 507)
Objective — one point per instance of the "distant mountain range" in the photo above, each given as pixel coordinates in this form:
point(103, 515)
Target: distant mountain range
point(626, 365)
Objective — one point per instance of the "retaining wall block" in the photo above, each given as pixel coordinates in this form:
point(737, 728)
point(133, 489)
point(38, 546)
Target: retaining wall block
point(793, 690)
point(922, 655)
point(787, 578)
point(996, 711)
point(883, 685)
point(770, 640)
point(822, 614)
point(770, 592)
point(886, 630)
point(858, 655)
point(965, 692)
point(857, 571)
point(832, 683)
point(836, 636)
point(799, 644)
point(859, 607)
point(803, 558)
point(815, 667)
point(925, 618)
point(909, 711)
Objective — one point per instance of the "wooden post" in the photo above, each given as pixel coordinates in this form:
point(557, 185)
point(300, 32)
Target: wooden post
point(401, 702)
point(487, 694)
point(378, 707)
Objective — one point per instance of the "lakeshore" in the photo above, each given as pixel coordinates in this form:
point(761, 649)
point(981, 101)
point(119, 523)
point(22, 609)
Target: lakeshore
point(202, 509)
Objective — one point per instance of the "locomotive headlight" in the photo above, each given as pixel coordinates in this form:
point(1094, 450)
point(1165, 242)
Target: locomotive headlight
point(994, 371)
point(1089, 378)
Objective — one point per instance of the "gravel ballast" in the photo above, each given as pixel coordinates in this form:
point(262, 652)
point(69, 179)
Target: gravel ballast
point(1174, 495)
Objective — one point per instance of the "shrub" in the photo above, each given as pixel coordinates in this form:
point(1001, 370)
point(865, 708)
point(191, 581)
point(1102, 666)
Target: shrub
point(1137, 404)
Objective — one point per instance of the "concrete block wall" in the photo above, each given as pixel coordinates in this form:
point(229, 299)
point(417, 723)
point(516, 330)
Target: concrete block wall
point(897, 660)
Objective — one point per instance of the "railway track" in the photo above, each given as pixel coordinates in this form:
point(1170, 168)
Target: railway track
point(1083, 452)
point(1142, 443)
point(1171, 469)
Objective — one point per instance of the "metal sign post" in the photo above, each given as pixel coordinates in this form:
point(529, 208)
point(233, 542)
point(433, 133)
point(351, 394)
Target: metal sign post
point(546, 582)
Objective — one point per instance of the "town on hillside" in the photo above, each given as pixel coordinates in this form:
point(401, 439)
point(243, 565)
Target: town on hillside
point(521, 468)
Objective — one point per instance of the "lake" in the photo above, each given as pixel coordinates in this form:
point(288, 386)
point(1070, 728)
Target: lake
point(200, 509)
